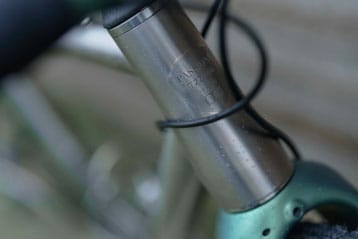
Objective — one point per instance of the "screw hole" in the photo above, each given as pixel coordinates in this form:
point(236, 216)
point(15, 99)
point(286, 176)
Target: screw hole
point(297, 212)
point(266, 232)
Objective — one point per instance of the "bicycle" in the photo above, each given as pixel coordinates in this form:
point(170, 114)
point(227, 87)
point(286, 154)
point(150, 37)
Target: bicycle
point(228, 153)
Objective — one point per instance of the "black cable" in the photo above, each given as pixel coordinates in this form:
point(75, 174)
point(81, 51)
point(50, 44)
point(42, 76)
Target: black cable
point(276, 132)
point(211, 16)
point(243, 101)
point(263, 73)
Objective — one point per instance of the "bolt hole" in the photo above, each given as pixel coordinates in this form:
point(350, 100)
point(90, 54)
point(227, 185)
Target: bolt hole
point(266, 232)
point(297, 212)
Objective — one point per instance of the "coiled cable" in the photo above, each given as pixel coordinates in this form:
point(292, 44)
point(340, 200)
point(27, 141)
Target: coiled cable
point(220, 7)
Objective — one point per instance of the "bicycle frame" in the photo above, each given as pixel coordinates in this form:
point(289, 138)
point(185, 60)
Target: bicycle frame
point(228, 170)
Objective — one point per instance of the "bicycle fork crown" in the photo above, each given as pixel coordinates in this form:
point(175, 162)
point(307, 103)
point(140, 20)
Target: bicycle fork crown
point(313, 186)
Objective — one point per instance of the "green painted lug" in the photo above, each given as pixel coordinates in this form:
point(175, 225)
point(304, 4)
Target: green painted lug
point(313, 185)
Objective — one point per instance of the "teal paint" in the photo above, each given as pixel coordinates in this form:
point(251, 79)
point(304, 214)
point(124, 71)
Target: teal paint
point(313, 185)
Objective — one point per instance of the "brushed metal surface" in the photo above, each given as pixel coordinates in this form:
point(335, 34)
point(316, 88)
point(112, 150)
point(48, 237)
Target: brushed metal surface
point(238, 164)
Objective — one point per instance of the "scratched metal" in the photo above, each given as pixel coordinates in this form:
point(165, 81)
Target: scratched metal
point(240, 166)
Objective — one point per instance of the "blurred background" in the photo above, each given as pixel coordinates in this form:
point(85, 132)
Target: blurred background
point(79, 148)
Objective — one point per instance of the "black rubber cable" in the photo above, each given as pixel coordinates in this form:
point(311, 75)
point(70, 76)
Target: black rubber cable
point(243, 101)
point(214, 9)
point(245, 27)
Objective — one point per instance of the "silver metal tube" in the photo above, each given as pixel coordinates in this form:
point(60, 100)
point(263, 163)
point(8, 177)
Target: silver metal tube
point(239, 166)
